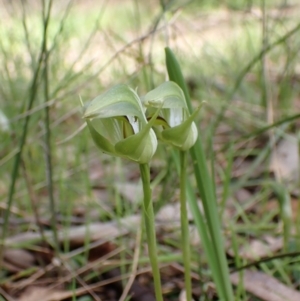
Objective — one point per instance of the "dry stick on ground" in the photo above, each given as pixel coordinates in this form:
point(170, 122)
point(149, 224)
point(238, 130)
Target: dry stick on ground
point(6, 295)
point(41, 272)
point(134, 265)
point(265, 287)
point(81, 281)
point(90, 266)
point(98, 231)
point(60, 295)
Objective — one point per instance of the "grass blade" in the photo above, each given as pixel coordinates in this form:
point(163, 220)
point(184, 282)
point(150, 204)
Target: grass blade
point(206, 191)
point(15, 170)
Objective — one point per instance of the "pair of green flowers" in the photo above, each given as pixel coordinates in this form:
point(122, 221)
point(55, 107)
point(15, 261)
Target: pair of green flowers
point(123, 124)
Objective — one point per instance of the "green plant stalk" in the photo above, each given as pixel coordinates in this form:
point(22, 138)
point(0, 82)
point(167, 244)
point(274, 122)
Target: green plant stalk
point(15, 170)
point(150, 229)
point(184, 223)
point(206, 192)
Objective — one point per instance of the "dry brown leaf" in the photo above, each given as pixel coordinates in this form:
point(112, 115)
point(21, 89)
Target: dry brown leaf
point(78, 234)
point(182, 296)
point(295, 209)
point(265, 287)
point(168, 219)
point(16, 260)
point(37, 293)
point(171, 213)
point(132, 192)
point(242, 195)
point(241, 167)
point(257, 249)
point(285, 159)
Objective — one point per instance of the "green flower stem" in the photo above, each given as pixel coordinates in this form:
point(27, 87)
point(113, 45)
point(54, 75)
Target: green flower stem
point(185, 237)
point(150, 229)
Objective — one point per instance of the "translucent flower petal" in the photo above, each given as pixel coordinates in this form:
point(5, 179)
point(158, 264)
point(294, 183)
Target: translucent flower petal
point(120, 100)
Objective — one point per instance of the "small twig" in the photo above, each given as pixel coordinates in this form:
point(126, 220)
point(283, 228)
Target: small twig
point(90, 266)
point(6, 295)
point(34, 277)
point(84, 285)
point(134, 265)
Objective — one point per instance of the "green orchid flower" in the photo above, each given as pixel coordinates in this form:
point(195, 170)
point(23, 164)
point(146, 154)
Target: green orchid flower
point(118, 125)
point(174, 124)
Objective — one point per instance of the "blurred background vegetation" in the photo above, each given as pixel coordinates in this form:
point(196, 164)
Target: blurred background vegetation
point(239, 56)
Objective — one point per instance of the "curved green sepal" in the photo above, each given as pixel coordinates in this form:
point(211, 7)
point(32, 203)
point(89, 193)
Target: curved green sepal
point(102, 143)
point(141, 146)
point(182, 136)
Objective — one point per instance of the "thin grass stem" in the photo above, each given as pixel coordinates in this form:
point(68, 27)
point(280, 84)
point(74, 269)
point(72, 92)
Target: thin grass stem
point(15, 170)
point(48, 148)
point(247, 68)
